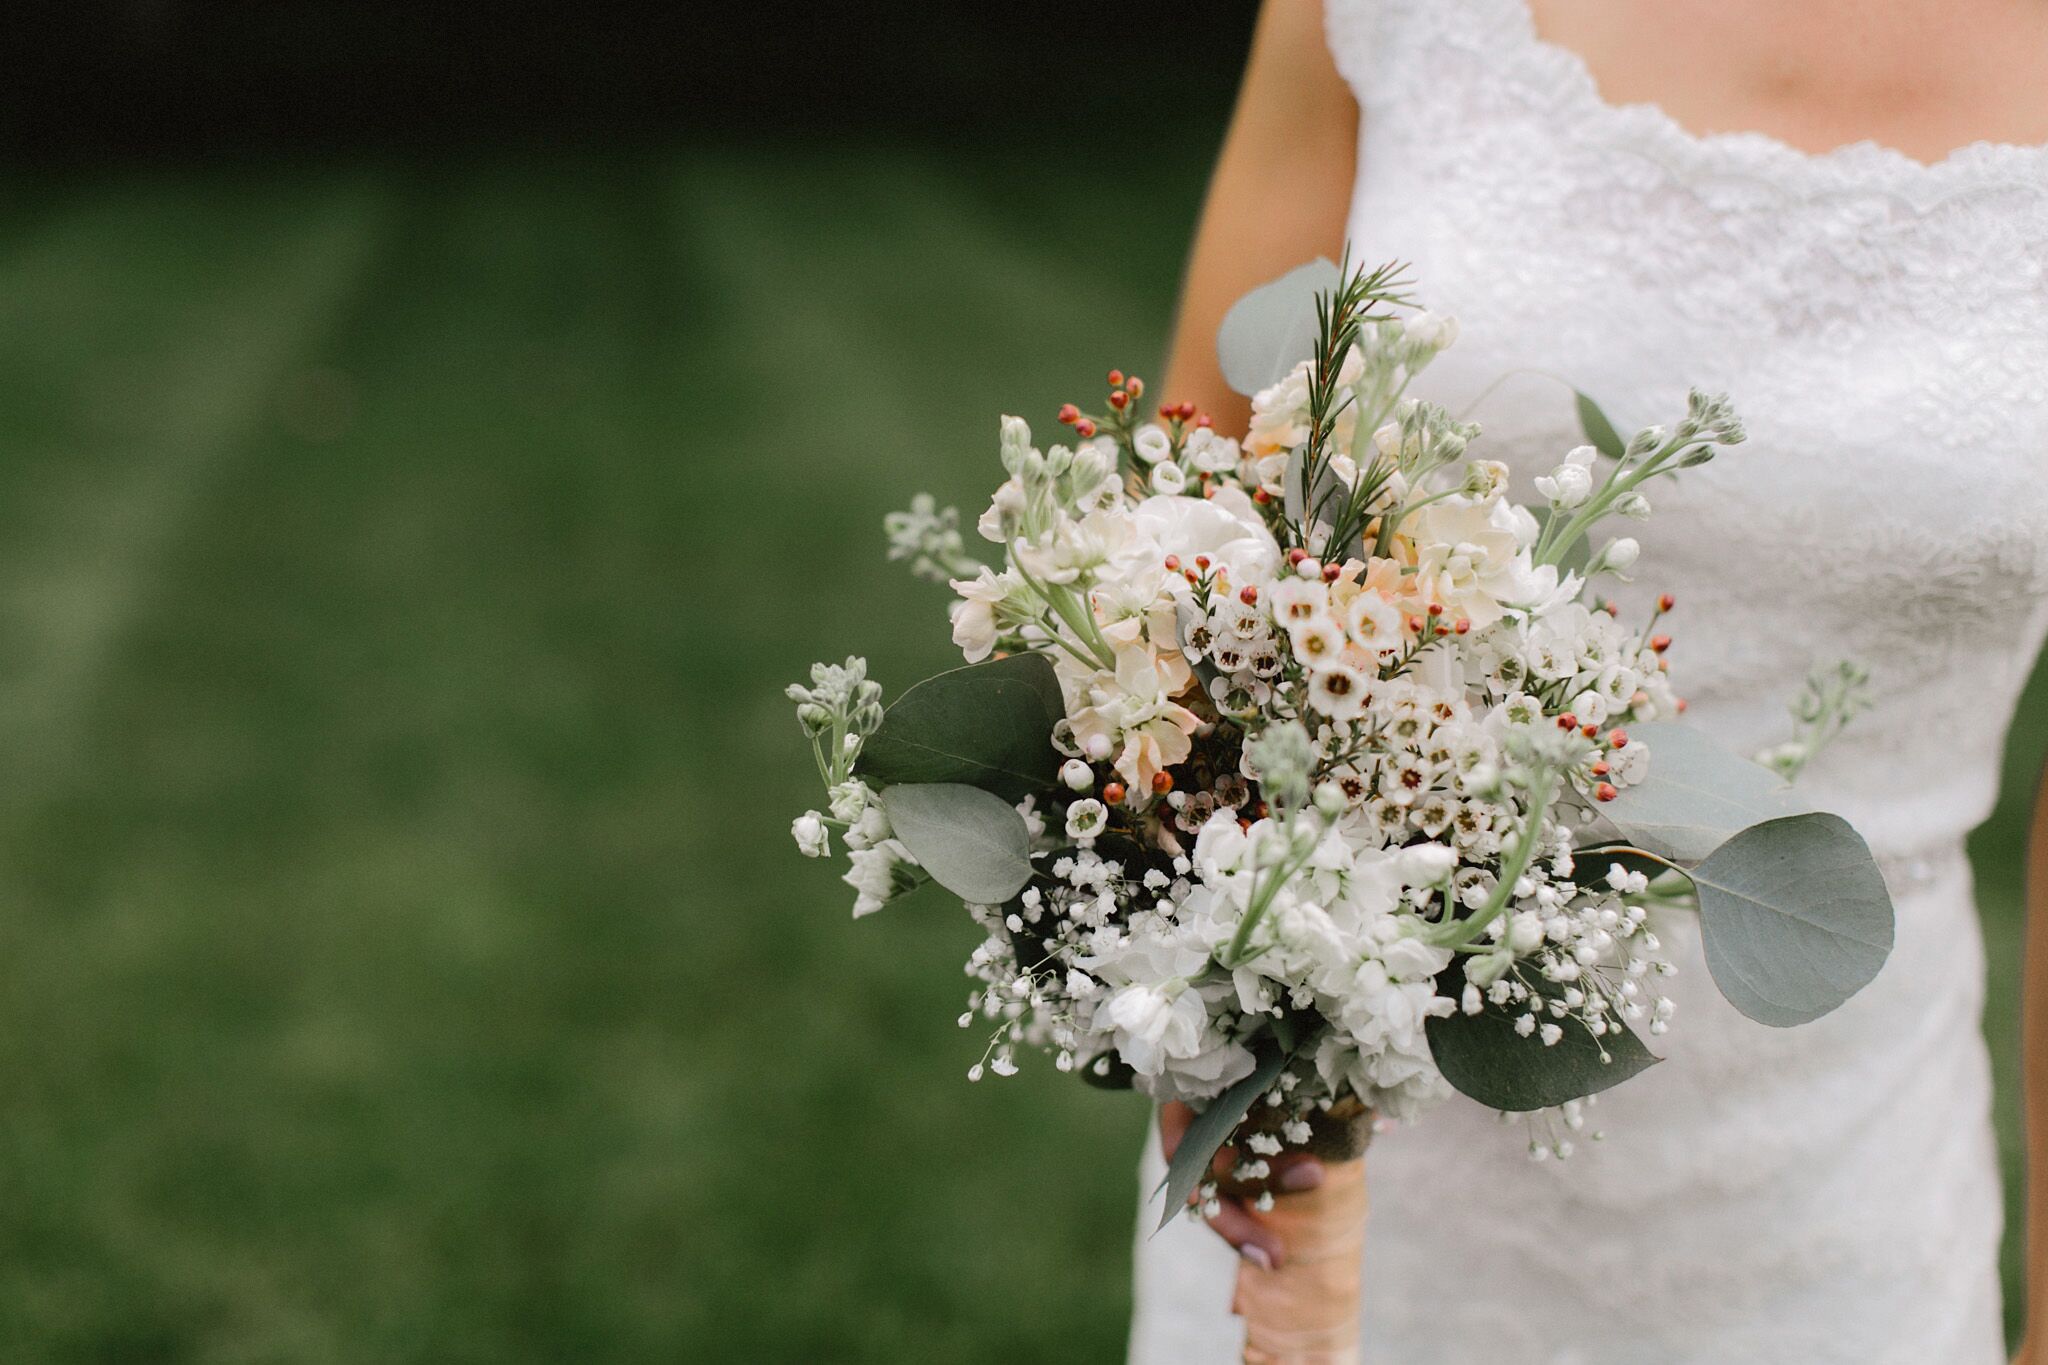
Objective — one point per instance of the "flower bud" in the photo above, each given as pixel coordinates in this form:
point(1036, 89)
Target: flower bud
point(1077, 775)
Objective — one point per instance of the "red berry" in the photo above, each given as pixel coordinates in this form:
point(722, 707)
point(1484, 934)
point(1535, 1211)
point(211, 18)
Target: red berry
point(1204, 422)
point(1184, 411)
point(1135, 387)
point(1589, 730)
point(1682, 704)
point(1118, 399)
point(1167, 412)
point(1069, 414)
point(1660, 643)
point(1618, 737)
point(1605, 792)
point(1202, 563)
point(1084, 428)
point(1116, 379)
point(1436, 609)
point(1296, 555)
point(1666, 602)
point(1260, 495)
point(1567, 721)
point(1248, 595)
point(1173, 563)
point(1464, 624)
point(1600, 768)
point(1332, 572)
point(1113, 793)
point(1162, 783)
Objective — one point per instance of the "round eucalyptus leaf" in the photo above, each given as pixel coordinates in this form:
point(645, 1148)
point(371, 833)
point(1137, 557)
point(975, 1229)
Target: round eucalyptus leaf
point(1272, 329)
point(988, 725)
point(1795, 917)
point(972, 843)
point(1483, 1057)
point(1696, 796)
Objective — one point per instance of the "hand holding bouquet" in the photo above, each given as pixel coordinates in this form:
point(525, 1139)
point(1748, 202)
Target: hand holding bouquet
point(1301, 777)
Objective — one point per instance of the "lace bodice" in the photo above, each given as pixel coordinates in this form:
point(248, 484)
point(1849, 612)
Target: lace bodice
point(1814, 1195)
point(1881, 324)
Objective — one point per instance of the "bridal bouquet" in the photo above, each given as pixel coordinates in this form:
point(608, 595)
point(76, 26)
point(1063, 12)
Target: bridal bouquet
point(1304, 775)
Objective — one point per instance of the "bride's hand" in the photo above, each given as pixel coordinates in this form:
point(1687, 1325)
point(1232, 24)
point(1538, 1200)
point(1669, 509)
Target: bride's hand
point(1236, 1222)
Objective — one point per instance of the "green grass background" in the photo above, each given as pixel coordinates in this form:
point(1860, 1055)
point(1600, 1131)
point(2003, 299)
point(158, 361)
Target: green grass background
point(404, 956)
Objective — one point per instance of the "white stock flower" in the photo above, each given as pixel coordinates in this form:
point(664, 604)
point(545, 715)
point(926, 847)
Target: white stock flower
point(813, 839)
point(974, 616)
point(1227, 528)
point(1571, 483)
point(878, 875)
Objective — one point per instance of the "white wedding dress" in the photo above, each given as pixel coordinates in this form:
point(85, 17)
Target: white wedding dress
point(1783, 1197)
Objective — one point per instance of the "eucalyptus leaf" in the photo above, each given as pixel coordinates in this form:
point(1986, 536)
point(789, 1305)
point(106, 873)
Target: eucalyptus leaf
point(1696, 796)
point(1600, 433)
point(988, 725)
point(972, 843)
point(1211, 1129)
point(1483, 1057)
point(1795, 917)
point(1272, 329)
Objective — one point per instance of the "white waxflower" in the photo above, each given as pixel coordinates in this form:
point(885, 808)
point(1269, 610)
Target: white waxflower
point(1077, 775)
point(1151, 443)
point(1297, 599)
point(1373, 622)
point(1317, 641)
point(1086, 819)
point(1169, 479)
point(1339, 691)
point(813, 839)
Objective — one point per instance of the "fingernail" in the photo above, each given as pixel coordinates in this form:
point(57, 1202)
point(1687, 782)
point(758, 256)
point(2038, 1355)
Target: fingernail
point(1303, 1175)
point(1256, 1254)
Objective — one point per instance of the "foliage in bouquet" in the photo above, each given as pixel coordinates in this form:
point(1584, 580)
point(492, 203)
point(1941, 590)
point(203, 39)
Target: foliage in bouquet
point(1306, 765)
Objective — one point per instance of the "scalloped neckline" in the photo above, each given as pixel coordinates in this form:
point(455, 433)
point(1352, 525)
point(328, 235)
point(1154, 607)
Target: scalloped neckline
point(1719, 148)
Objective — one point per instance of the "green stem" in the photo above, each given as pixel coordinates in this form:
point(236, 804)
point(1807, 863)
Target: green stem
point(1460, 933)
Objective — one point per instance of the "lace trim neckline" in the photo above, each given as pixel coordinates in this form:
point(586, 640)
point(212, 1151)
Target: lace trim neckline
point(1861, 166)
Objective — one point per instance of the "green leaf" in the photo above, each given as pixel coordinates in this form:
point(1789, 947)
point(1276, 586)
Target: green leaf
point(1696, 796)
point(1600, 433)
point(1211, 1129)
point(972, 843)
point(1107, 1071)
point(1795, 917)
point(1482, 1056)
point(988, 725)
point(1272, 329)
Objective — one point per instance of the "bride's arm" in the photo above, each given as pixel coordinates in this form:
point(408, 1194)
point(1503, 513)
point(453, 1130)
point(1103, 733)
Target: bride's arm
point(2034, 1039)
point(1279, 197)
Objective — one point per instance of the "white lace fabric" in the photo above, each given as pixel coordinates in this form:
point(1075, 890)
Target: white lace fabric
point(1807, 1196)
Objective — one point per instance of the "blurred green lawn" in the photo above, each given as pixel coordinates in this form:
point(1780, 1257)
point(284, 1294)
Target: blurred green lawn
point(404, 954)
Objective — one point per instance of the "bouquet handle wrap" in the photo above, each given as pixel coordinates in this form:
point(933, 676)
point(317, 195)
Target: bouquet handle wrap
point(1306, 1311)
